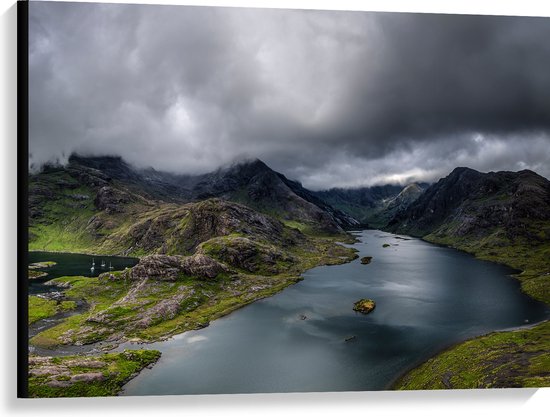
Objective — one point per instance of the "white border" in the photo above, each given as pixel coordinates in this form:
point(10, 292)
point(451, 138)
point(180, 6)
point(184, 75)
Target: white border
point(423, 403)
point(490, 7)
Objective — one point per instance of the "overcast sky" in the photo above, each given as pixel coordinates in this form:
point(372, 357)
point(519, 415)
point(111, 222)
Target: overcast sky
point(328, 98)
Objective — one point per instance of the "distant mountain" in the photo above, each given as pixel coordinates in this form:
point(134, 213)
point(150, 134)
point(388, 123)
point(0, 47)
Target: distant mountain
point(256, 185)
point(498, 216)
point(468, 202)
point(372, 206)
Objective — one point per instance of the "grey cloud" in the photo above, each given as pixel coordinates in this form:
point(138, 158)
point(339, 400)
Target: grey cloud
point(329, 98)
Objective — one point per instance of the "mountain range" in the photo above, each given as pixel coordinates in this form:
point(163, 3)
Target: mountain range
point(251, 183)
point(211, 243)
point(105, 204)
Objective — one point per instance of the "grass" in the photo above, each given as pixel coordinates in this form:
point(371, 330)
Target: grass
point(86, 376)
point(41, 308)
point(62, 225)
point(518, 358)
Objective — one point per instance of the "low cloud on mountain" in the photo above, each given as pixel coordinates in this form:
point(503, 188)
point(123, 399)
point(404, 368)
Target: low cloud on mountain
point(329, 98)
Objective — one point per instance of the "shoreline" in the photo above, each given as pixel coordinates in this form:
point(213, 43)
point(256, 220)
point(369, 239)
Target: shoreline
point(514, 276)
point(392, 385)
point(114, 345)
point(83, 253)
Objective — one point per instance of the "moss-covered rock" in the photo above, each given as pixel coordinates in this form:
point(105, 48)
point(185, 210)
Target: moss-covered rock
point(169, 268)
point(86, 376)
point(34, 274)
point(365, 260)
point(248, 254)
point(364, 306)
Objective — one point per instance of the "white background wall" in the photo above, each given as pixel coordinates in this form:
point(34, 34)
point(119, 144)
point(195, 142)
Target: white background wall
point(429, 403)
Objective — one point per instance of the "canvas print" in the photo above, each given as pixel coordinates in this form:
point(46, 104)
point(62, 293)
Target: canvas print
point(233, 200)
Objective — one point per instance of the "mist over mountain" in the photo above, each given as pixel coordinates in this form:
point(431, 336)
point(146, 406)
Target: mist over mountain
point(250, 182)
point(329, 98)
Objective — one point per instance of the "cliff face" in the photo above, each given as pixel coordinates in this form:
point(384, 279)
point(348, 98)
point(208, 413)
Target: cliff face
point(468, 203)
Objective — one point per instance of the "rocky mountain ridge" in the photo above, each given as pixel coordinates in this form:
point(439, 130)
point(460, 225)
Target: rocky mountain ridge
point(468, 202)
point(251, 183)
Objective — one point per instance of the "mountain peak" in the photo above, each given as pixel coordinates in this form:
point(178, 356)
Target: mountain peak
point(462, 170)
point(252, 164)
point(91, 160)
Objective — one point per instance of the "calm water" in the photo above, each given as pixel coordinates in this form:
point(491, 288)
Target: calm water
point(73, 264)
point(428, 297)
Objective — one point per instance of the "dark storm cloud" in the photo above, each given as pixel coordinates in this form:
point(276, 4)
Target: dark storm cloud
point(329, 98)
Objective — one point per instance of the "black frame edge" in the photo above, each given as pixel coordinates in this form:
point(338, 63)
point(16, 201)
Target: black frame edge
point(22, 196)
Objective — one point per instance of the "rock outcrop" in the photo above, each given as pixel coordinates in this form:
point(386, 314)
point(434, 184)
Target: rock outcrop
point(365, 260)
point(246, 254)
point(364, 306)
point(170, 268)
point(111, 200)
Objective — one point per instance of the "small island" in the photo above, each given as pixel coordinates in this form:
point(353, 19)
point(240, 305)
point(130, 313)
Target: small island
point(33, 270)
point(365, 260)
point(40, 265)
point(34, 274)
point(364, 306)
point(386, 245)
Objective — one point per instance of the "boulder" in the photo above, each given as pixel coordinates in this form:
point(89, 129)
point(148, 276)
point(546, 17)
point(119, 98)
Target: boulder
point(365, 260)
point(169, 268)
point(364, 306)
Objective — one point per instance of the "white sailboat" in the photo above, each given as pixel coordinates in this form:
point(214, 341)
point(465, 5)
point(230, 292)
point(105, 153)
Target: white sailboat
point(102, 263)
